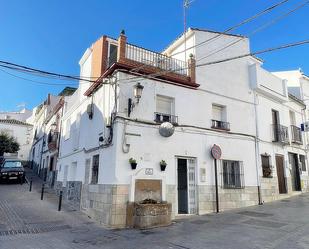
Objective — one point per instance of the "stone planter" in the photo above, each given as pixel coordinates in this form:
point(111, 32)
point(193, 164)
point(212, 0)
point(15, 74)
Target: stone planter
point(144, 216)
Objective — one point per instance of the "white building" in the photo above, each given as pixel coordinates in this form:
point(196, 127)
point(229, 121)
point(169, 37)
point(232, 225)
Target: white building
point(105, 124)
point(22, 132)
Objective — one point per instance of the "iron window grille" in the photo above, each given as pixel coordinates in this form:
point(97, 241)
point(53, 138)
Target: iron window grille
point(302, 162)
point(266, 166)
point(163, 117)
point(280, 134)
point(232, 174)
point(95, 169)
point(296, 136)
point(221, 125)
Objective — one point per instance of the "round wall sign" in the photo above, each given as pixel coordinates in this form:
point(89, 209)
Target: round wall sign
point(216, 152)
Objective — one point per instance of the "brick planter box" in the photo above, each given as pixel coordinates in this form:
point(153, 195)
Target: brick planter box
point(144, 216)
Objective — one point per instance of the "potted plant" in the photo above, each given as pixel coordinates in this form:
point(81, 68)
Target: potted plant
point(163, 165)
point(133, 163)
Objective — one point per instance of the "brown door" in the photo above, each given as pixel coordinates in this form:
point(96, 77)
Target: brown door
point(280, 174)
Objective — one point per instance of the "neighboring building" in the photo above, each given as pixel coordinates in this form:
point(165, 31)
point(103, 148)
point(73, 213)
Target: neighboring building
point(22, 132)
point(22, 115)
point(40, 114)
point(52, 128)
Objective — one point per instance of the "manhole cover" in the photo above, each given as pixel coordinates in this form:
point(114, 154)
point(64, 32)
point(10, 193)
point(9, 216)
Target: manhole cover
point(255, 214)
point(262, 223)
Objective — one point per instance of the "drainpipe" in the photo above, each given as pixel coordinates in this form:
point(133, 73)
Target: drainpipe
point(257, 150)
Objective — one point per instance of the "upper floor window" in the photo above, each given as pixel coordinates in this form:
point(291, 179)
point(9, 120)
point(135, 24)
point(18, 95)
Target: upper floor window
point(112, 54)
point(219, 118)
point(165, 110)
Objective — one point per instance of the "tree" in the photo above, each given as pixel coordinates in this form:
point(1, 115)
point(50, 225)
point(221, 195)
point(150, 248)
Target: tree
point(8, 144)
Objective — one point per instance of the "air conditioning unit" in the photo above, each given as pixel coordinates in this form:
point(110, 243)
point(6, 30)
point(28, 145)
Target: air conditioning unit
point(305, 126)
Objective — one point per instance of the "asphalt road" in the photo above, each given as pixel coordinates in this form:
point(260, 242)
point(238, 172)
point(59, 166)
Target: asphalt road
point(26, 222)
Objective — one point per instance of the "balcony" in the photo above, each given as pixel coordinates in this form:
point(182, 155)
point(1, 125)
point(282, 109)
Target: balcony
point(139, 61)
point(296, 136)
point(162, 117)
point(280, 134)
point(220, 125)
point(52, 141)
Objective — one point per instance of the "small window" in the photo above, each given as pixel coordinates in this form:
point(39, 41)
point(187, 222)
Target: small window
point(302, 160)
point(95, 169)
point(232, 174)
point(112, 56)
point(266, 167)
point(219, 118)
point(165, 110)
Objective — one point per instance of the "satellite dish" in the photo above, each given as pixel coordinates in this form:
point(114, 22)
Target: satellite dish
point(166, 129)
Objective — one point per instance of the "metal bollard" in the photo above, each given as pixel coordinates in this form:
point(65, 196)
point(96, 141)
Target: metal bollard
point(60, 201)
point(30, 185)
point(42, 192)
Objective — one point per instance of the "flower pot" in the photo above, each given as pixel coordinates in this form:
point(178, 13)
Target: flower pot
point(133, 165)
point(163, 167)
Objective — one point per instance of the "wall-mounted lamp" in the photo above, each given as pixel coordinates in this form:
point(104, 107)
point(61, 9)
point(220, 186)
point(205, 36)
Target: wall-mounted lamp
point(137, 91)
point(53, 126)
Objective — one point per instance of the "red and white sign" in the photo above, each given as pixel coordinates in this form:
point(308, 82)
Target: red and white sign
point(216, 152)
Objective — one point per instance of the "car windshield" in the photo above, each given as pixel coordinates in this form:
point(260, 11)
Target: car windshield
point(12, 164)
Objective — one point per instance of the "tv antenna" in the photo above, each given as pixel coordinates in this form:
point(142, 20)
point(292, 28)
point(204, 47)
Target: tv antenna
point(186, 5)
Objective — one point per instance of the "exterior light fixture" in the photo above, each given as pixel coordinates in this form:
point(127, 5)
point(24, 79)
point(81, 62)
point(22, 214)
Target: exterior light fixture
point(137, 91)
point(53, 126)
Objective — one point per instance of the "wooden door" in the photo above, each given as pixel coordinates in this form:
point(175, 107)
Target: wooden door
point(280, 174)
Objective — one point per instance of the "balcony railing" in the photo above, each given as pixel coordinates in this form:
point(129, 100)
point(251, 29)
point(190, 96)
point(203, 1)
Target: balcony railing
point(154, 59)
point(162, 117)
point(296, 136)
point(280, 134)
point(221, 125)
point(52, 140)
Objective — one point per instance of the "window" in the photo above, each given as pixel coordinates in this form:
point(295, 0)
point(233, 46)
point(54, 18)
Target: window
point(232, 174)
point(302, 160)
point(266, 167)
point(95, 169)
point(219, 117)
point(292, 118)
point(165, 110)
point(76, 131)
point(67, 128)
point(112, 57)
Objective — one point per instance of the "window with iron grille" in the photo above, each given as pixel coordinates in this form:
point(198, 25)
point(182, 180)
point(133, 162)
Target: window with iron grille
point(266, 167)
point(302, 162)
point(95, 169)
point(232, 174)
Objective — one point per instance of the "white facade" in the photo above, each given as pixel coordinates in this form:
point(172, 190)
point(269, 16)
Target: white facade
point(22, 132)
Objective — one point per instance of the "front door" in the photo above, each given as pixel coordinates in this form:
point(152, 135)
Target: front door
point(280, 174)
point(186, 186)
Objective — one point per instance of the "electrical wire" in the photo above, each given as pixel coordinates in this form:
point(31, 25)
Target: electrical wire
point(273, 21)
point(265, 11)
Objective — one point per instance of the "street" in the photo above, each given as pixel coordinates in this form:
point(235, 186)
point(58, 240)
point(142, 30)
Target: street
point(29, 223)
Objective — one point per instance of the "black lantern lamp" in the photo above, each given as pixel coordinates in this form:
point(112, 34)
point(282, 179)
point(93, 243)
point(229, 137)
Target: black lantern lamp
point(137, 91)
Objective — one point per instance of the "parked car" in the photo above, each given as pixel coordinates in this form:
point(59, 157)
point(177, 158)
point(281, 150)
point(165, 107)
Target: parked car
point(12, 169)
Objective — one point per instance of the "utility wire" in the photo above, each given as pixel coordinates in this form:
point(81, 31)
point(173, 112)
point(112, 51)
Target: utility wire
point(265, 11)
point(273, 21)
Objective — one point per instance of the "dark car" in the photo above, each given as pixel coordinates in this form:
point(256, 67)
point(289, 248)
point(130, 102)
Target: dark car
point(12, 169)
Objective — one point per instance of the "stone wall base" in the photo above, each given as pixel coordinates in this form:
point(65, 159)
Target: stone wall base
point(71, 193)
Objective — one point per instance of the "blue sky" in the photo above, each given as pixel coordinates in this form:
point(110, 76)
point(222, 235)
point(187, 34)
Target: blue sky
point(53, 35)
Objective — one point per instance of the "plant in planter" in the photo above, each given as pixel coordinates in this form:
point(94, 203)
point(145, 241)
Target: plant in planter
point(163, 165)
point(133, 163)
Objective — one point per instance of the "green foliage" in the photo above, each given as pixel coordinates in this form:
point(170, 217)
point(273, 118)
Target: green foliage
point(163, 162)
point(131, 160)
point(8, 144)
